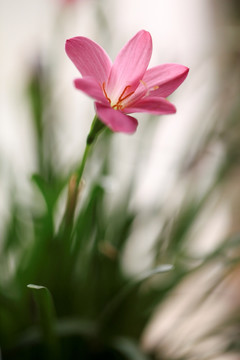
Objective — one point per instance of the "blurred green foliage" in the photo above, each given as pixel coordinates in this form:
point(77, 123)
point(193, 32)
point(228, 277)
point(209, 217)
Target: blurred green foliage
point(67, 295)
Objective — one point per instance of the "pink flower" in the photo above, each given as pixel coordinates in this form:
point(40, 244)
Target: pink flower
point(68, 2)
point(126, 86)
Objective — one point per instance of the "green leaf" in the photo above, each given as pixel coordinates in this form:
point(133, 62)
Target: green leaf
point(66, 327)
point(120, 297)
point(47, 315)
point(158, 270)
point(129, 349)
point(49, 190)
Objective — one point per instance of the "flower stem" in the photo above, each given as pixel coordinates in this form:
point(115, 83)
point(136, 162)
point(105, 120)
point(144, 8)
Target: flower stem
point(96, 128)
point(75, 180)
point(83, 163)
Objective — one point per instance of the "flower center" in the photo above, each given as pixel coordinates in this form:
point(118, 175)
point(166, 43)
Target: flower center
point(124, 95)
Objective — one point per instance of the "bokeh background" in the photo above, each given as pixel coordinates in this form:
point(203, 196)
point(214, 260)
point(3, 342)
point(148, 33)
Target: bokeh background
point(185, 166)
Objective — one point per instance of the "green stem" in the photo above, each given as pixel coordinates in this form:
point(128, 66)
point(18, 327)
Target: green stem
point(96, 128)
point(83, 163)
point(73, 190)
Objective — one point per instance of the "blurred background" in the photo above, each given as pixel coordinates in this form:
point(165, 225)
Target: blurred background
point(180, 173)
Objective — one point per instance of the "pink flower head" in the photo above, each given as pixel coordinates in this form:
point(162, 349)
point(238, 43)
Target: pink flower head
point(68, 2)
point(125, 86)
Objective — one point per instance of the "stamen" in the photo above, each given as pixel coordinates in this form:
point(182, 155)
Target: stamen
point(105, 93)
point(151, 89)
point(117, 106)
point(144, 84)
point(122, 97)
point(146, 87)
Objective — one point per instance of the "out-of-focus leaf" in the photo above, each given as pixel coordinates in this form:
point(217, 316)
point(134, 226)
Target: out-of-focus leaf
point(129, 349)
point(47, 315)
point(160, 269)
point(130, 286)
point(50, 191)
point(63, 328)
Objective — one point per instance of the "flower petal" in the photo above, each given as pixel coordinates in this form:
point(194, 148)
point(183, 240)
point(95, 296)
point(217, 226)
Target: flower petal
point(152, 105)
point(166, 78)
point(129, 66)
point(89, 58)
point(91, 87)
point(116, 120)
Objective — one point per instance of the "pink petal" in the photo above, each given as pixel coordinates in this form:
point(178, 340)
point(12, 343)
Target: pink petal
point(166, 77)
point(129, 66)
point(89, 58)
point(91, 87)
point(152, 105)
point(116, 120)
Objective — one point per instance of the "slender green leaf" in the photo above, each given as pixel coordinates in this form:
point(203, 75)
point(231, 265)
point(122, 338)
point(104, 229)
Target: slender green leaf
point(47, 315)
